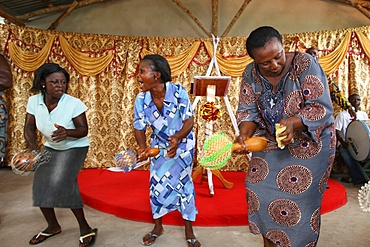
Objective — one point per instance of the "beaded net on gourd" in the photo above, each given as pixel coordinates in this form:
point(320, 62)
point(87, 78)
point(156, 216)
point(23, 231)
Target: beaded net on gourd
point(126, 160)
point(216, 152)
point(26, 161)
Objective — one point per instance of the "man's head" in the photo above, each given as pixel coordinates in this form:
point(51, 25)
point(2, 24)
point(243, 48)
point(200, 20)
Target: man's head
point(355, 100)
point(313, 52)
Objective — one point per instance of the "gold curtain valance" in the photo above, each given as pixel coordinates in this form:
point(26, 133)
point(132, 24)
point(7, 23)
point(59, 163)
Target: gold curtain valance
point(331, 62)
point(84, 64)
point(180, 62)
point(30, 61)
point(365, 43)
point(233, 66)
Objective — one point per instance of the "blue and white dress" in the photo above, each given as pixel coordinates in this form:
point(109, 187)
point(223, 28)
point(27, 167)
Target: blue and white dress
point(171, 185)
point(285, 186)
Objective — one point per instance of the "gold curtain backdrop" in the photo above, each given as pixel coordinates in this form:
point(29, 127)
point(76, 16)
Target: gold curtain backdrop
point(103, 72)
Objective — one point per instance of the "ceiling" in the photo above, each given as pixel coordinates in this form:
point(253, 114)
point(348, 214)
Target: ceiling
point(19, 12)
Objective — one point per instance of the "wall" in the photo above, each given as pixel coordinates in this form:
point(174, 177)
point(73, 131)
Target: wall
point(164, 18)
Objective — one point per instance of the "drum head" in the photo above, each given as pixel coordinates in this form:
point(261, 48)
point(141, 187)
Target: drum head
point(358, 138)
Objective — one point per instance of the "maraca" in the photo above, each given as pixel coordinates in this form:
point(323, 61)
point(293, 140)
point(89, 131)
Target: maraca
point(218, 149)
point(127, 161)
point(27, 161)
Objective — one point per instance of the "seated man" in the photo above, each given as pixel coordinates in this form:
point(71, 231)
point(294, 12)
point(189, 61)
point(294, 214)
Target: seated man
point(341, 123)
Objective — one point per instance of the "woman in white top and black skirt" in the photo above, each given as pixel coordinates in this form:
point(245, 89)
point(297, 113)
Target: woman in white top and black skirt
point(62, 121)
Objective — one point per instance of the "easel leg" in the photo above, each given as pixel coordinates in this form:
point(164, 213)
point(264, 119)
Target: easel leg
point(197, 172)
point(202, 171)
point(210, 182)
point(227, 184)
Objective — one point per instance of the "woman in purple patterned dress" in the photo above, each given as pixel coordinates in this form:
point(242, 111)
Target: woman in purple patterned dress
point(285, 185)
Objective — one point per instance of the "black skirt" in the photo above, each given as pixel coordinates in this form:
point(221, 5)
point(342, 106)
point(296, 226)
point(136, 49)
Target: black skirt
point(55, 183)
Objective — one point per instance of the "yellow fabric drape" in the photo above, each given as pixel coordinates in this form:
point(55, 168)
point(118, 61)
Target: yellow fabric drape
point(29, 61)
point(331, 62)
point(84, 64)
point(365, 42)
point(233, 66)
point(180, 62)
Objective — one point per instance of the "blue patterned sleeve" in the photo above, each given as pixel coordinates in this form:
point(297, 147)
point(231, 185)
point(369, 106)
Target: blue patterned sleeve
point(139, 116)
point(317, 110)
point(247, 107)
point(184, 103)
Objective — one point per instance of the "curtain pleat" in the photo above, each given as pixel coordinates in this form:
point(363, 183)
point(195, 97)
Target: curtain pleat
point(27, 60)
point(180, 62)
point(331, 62)
point(83, 63)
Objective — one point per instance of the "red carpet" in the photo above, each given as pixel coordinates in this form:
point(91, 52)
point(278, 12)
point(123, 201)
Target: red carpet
point(126, 195)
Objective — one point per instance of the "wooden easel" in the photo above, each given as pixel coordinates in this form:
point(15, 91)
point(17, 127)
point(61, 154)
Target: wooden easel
point(212, 86)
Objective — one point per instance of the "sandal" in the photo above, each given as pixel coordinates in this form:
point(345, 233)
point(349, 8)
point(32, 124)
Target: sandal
point(41, 237)
point(149, 236)
point(92, 235)
point(192, 241)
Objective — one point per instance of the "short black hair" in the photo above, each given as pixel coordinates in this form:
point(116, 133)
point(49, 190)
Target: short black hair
point(353, 95)
point(159, 64)
point(44, 71)
point(311, 49)
point(259, 37)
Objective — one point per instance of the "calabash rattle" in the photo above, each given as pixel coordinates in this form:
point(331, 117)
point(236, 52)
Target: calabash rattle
point(219, 147)
point(26, 161)
point(127, 161)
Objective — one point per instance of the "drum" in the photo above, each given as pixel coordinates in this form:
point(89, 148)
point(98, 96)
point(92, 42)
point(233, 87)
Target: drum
point(358, 138)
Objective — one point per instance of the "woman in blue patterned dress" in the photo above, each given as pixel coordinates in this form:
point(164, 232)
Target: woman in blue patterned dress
point(166, 108)
point(285, 185)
